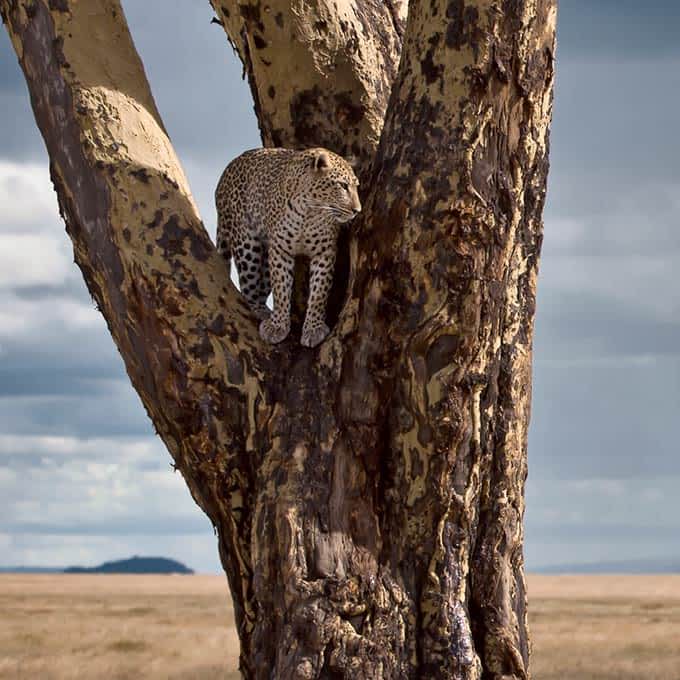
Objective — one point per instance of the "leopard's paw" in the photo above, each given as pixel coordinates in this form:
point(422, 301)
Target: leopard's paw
point(272, 332)
point(313, 336)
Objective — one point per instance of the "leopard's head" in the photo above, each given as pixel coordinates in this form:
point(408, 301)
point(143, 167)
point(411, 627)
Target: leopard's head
point(330, 184)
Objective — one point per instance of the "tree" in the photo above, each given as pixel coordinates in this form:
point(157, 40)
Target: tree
point(368, 494)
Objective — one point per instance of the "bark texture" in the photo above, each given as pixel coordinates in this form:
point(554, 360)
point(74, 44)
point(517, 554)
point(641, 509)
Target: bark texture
point(367, 495)
point(320, 71)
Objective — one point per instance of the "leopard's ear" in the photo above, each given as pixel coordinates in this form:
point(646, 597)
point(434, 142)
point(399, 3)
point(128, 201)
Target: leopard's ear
point(321, 160)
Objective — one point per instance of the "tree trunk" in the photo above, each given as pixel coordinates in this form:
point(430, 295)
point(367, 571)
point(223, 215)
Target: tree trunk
point(368, 495)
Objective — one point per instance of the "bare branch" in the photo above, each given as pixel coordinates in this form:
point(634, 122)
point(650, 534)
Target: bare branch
point(321, 71)
point(190, 348)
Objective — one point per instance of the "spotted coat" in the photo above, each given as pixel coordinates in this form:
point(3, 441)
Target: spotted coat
point(274, 204)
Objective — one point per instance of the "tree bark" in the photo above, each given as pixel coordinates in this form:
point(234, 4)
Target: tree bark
point(368, 495)
point(320, 72)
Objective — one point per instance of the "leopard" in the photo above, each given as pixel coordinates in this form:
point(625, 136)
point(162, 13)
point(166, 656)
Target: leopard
point(274, 204)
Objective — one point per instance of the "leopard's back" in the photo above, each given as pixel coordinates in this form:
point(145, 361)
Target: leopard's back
point(249, 194)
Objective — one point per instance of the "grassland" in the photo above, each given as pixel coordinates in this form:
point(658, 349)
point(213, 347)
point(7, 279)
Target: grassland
point(171, 627)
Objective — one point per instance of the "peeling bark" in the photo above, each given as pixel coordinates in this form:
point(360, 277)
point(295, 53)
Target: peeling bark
point(320, 71)
point(368, 495)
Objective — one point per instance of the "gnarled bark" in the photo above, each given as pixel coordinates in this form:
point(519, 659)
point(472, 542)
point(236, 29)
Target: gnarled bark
point(368, 495)
point(321, 71)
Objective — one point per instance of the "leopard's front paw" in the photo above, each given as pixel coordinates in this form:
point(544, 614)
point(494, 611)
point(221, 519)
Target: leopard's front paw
point(272, 332)
point(312, 336)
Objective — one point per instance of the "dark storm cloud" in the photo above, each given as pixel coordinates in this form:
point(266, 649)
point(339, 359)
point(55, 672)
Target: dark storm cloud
point(571, 325)
point(605, 418)
point(130, 526)
point(632, 28)
point(115, 411)
point(615, 119)
point(32, 365)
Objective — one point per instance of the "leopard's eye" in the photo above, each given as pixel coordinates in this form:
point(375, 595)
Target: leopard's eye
point(345, 186)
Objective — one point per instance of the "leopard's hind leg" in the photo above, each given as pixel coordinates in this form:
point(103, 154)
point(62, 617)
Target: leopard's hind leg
point(250, 257)
point(314, 329)
point(276, 328)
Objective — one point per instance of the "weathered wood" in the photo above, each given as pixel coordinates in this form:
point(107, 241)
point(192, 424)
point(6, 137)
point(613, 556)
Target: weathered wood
point(190, 347)
point(320, 71)
point(368, 495)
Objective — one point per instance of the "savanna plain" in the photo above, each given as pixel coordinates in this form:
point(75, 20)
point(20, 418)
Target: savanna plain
point(100, 626)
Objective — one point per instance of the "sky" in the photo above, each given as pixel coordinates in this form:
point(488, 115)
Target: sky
point(84, 479)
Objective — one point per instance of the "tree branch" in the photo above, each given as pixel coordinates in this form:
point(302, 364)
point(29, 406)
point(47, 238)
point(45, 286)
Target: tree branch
point(450, 254)
point(320, 72)
point(190, 347)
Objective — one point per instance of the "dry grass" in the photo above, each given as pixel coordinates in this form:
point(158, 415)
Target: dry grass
point(172, 627)
point(94, 626)
point(605, 627)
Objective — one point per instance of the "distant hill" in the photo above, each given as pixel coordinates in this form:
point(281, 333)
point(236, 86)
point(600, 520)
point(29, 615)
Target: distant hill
point(622, 567)
point(134, 565)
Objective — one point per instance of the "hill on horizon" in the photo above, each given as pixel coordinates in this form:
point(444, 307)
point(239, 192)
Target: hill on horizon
point(135, 565)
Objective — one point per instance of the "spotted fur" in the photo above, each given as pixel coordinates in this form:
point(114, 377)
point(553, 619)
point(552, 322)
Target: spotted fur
point(274, 204)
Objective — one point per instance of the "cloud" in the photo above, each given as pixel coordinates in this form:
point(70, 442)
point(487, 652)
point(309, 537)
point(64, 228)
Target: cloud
point(611, 418)
point(28, 201)
point(40, 329)
point(26, 451)
point(620, 224)
point(602, 519)
point(29, 317)
point(11, 80)
point(555, 545)
point(111, 410)
point(654, 295)
point(122, 490)
point(32, 260)
point(613, 122)
point(576, 325)
point(626, 27)
point(19, 139)
point(600, 502)
point(96, 486)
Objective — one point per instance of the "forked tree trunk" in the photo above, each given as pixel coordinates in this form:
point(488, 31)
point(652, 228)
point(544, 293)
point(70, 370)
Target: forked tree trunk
point(368, 495)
